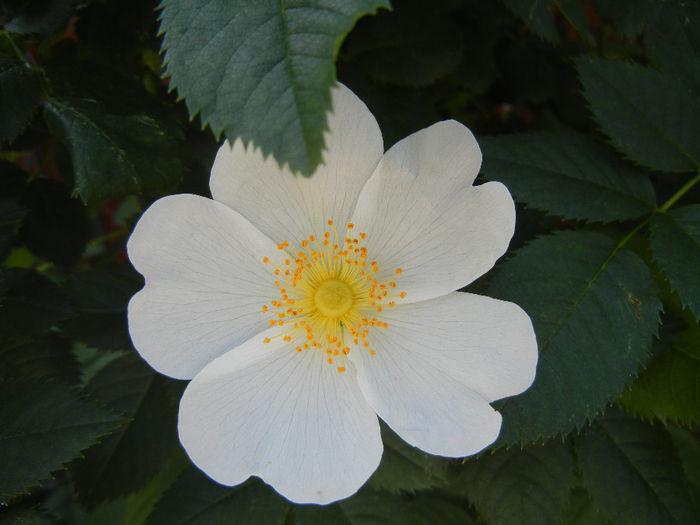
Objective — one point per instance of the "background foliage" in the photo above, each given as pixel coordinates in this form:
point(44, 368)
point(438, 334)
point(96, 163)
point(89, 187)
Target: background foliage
point(587, 109)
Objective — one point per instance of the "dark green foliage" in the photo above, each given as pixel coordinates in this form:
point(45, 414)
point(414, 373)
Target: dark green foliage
point(56, 225)
point(25, 516)
point(260, 71)
point(43, 425)
point(647, 114)
point(405, 468)
point(130, 457)
point(520, 486)
point(669, 389)
point(632, 471)
point(629, 17)
point(37, 16)
point(581, 510)
point(673, 41)
point(567, 174)
point(47, 357)
point(194, 499)
point(586, 110)
point(379, 508)
point(128, 153)
point(19, 96)
point(31, 303)
point(688, 447)
point(406, 47)
point(537, 16)
point(99, 298)
point(675, 243)
point(594, 328)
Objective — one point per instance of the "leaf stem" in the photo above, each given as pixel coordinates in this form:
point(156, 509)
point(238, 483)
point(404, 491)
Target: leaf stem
point(16, 49)
point(674, 198)
point(664, 208)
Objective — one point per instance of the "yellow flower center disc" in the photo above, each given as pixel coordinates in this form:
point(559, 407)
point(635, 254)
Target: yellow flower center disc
point(333, 298)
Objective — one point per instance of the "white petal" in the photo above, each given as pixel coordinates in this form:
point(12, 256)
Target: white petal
point(422, 214)
point(291, 207)
point(438, 365)
point(205, 283)
point(288, 418)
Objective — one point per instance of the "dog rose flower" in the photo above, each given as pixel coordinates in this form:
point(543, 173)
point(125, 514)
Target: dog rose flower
point(303, 308)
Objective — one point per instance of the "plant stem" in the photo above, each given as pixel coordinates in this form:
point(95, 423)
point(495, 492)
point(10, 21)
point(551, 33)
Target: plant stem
point(16, 49)
point(664, 208)
point(674, 198)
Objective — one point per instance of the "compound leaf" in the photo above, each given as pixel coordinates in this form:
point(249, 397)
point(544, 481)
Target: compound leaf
point(595, 310)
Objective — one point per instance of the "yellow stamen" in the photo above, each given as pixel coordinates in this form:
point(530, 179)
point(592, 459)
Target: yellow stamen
point(329, 295)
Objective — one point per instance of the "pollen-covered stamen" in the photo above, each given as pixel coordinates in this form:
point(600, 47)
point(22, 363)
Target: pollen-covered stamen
point(329, 294)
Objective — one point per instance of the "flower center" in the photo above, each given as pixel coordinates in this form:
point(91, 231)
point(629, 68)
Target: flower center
point(329, 295)
point(333, 298)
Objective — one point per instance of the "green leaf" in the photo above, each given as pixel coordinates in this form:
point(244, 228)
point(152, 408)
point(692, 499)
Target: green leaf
point(567, 174)
point(381, 508)
point(25, 516)
point(19, 97)
point(537, 16)
point(135, 508)
point(688, 447)
point(675, 245)
point(99, 298)
point(129, 458)
point(44, 425)
point(406, 468)
point(673, 41)
point(574, 11)
point(194, 499)
point(520, 486)
point(31, 304)
point(648, 115)
point(39, 17)
point(47, 357)
point(113, 155)
point(11, 215)
point(595, 309)
point(409, 46)
point(633, 473)
point(260, 70)
point(629, 17)
point(56, 226)
point(670, 388)
point(581, 510)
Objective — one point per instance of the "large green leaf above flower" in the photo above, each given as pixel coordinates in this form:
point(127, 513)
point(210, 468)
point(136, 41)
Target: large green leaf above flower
point(260, 70)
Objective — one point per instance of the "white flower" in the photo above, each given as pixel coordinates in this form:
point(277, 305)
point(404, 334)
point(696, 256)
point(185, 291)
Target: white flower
point(295, 346)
